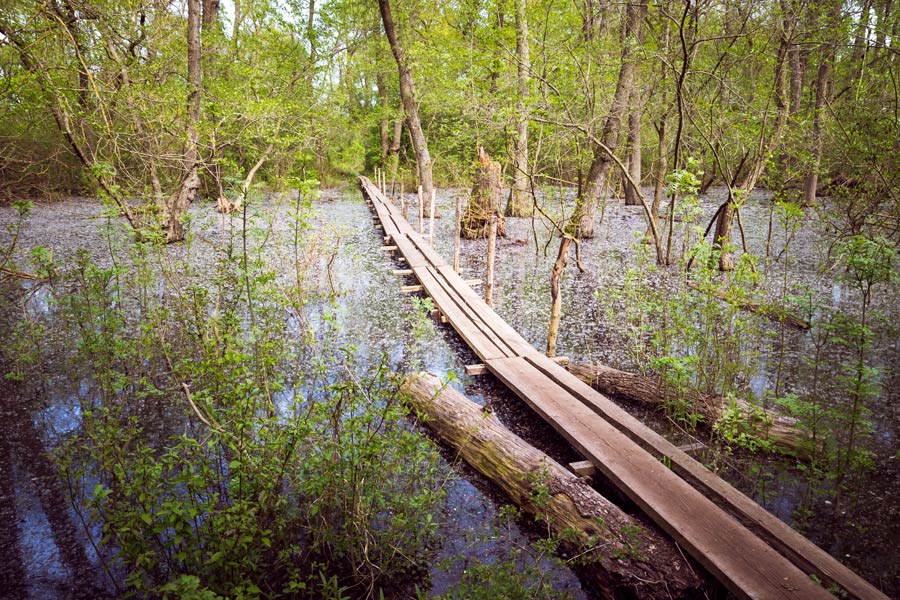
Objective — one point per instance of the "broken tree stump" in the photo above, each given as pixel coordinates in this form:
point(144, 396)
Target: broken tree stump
point(620, 556)
point(485, 200)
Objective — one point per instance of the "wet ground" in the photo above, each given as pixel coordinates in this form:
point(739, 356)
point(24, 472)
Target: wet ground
point(371, 315)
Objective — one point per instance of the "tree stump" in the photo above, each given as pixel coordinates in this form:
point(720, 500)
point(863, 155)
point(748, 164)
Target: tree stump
point(486, 200)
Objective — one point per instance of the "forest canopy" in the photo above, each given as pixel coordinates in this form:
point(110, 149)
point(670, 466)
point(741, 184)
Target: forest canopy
point(122, 99)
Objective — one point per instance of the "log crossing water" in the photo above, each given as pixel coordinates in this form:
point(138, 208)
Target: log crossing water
point(749, 550)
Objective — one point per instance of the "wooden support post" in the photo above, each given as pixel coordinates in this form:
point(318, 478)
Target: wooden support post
point(489, 275)
point(404, 205)
point(456, 234)
point(421, 212)
point(583, 468)
point(556, 306)
point(478, 369)
point(437, 314)
point(431, 220)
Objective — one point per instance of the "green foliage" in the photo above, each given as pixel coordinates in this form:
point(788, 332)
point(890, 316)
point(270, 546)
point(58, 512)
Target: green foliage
point(269, 477)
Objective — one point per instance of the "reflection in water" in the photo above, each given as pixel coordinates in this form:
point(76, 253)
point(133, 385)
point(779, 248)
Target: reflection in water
point(56, 560)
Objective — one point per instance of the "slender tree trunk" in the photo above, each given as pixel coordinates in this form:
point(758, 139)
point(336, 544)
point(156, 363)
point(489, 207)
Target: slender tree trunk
point(385, 122)
point(662, 167)
point(555, 301)
point(812, 177)
point(582, 221)
point(634, 144)
point(187, 191)
point(756, 165)
point(519, 204)
point(409, 100)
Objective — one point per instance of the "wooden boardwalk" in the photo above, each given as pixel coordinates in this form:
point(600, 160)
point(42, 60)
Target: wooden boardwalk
point(754, 554)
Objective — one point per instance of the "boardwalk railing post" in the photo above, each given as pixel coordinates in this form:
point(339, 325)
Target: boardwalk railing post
point(421, 212)
point(431, 220)
point(556, 306)
point(457, 233)
point(404, 207)
point(489, 275)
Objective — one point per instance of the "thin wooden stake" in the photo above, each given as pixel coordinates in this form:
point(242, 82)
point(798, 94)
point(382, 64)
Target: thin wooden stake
point(456, 234)
point(404, 206)
point(489, 275)
point(421, 213)
point(556, 306)
point(431, 220)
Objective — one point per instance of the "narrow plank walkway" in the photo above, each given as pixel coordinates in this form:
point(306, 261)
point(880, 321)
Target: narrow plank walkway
point(754, 554)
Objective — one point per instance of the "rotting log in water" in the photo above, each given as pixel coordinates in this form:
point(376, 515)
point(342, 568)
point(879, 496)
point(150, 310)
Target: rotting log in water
point(775, 313)
point(618, 555)
point(783, 432)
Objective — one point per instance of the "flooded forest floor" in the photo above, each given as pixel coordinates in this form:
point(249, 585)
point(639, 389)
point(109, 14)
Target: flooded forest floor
point(355, 304)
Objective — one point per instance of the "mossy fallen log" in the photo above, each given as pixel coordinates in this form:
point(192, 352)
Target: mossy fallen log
point(618, 556)
point(783, 432)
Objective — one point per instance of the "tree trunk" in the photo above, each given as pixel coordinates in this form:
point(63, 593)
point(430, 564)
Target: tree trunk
point(555, 301)
point(385, 121)
point(210, 13)
point(409, 100)
point(634, 159)
point(581, 224)
point(485, 200)
point(756, 165)
point(626, 559)
point(519, 204)
point(783, 432)
point(187, 191)
point(822, 94)
point(662, 167)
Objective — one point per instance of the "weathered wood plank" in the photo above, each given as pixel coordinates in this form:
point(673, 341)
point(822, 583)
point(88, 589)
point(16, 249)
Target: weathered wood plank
point(799, 550)
point(727, 549)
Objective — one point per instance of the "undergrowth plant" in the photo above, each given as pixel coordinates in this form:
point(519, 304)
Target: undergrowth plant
point(215, 458)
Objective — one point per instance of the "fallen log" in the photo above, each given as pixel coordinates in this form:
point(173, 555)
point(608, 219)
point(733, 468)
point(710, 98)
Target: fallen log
point(775, 313)
point(783, 432)
point(618, 555)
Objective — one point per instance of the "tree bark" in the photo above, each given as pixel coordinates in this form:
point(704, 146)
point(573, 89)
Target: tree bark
point(783, 432)
point(519, 204)
point(634, 158)
point(559, 266)
point(581, 224)
point(624, 558)
point(190, 183)
point(210, 13)
point(385, 121)
point(485, 200)
point(409, 100)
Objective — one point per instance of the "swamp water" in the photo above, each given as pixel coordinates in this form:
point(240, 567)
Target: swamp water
point(372, 316)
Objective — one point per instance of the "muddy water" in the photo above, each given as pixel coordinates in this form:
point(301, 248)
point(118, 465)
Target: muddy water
point(372, 317)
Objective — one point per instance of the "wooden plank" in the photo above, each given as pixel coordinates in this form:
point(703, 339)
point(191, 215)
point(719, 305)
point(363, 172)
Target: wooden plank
point(560, 360)
point(479, 369)
point(728, 550)
point(389, 248)
point(476, 317)
point(518, 345)
point(402, 272)
point(409, 289)
point(799, 550)
point(483, 346)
